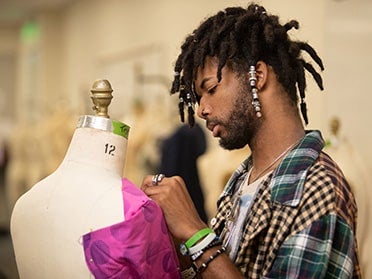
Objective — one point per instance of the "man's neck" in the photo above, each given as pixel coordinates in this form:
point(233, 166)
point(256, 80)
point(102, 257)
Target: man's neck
point(272, 143)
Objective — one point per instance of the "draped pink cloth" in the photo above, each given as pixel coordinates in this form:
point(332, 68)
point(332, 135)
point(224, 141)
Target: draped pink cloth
point(138, 247)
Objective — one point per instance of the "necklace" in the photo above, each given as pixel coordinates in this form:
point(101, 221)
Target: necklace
point(273, 162)
point(232, 214)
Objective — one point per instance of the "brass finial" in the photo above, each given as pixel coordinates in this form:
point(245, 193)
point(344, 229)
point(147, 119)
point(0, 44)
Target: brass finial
point(101, 97)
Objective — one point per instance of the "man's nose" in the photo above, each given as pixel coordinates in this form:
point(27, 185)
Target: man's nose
point(203, 110)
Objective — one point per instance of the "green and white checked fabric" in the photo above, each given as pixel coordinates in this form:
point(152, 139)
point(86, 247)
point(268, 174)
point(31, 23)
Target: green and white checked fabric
point(302, 221)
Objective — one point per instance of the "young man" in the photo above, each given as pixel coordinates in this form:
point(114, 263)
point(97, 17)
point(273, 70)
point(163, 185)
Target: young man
point(287, 211)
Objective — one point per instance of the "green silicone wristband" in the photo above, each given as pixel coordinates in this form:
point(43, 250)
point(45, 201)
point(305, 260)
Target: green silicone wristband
point(196, 237)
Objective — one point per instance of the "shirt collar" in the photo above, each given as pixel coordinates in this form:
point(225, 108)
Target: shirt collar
point(289, 177)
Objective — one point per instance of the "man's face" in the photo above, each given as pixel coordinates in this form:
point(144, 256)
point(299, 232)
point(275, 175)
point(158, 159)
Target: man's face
point(226, 105)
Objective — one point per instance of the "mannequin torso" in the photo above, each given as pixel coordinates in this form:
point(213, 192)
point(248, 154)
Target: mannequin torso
point(82, 195)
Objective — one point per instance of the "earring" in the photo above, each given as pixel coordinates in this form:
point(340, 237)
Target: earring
point(252, 82)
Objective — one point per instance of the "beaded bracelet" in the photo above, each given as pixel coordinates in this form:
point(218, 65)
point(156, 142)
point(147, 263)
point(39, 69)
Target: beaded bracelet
point(214, 243)
point(193, 270)
point(204, 265)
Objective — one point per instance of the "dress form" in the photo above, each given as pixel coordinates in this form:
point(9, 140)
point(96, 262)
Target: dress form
point(83, 194)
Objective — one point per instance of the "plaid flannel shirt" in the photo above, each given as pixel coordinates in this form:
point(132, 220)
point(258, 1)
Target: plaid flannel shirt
point(302, 220)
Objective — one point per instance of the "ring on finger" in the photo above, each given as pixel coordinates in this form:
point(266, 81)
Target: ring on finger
point(156, 179)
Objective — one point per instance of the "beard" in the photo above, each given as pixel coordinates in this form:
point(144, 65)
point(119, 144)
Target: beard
point(242, 123)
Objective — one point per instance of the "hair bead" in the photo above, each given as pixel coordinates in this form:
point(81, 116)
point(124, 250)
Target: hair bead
point(252, 81)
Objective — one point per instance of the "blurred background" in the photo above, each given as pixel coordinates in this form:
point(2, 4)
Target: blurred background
point(51, 52)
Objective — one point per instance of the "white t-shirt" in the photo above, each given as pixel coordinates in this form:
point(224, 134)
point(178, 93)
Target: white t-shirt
point(247, 194)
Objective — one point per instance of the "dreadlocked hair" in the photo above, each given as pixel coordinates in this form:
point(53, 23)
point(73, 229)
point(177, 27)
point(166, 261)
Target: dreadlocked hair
point(240, 38)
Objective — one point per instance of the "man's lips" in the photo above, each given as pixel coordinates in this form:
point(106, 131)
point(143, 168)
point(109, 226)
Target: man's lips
point(213, 127)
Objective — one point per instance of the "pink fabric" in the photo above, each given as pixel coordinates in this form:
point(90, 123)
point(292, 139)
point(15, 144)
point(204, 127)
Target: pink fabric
point(139, 247)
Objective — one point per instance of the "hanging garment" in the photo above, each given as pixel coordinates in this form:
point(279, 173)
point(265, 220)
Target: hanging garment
point(138, 247)
point(179, 155)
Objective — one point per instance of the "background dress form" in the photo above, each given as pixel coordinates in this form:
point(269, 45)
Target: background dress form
point(83, 194)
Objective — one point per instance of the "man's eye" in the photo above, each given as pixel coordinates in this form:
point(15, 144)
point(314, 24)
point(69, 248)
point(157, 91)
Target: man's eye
point(212, 89)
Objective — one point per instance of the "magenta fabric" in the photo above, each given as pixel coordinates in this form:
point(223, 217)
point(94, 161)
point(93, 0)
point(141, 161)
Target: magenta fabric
point(138, 247)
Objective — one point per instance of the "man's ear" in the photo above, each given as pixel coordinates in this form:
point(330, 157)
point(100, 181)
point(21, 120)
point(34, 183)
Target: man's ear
point(262, 71)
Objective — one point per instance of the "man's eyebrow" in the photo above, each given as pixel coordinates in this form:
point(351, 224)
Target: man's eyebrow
point(204, 81)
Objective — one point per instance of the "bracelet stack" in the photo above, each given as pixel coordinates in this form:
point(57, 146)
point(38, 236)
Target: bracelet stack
point(216, 241)
point(184, 247)
point(211, 258)
point(195, 247)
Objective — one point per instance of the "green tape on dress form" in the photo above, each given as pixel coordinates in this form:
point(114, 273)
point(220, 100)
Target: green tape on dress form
point(120, 129)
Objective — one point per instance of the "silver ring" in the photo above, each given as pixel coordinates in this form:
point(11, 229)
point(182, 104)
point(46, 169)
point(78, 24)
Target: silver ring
point(156, 179)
